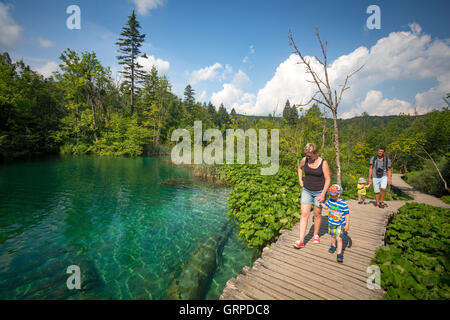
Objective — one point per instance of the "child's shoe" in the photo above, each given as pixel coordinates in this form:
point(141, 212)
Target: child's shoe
point(316, 239)
point(332, 249)
point(340, 257)
point(299, 244)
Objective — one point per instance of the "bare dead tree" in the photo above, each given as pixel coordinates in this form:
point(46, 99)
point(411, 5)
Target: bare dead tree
point(324, 130)
point(437, 168)
point(327, 96)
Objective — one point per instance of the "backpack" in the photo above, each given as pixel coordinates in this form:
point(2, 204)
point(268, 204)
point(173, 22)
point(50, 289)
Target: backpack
point(379, 171)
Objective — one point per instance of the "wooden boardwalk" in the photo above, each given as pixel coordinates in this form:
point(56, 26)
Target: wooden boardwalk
point(418, 196)
point(286, 273)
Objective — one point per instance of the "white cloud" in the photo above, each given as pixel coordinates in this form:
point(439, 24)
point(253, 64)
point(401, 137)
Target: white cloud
point(207, 73)
point(405, 55)
point(46, 43)
point(228, 95)
point(287, 83)
point(9, 30)
point(375, 105)
point(202, 97)
point(241, 80)
point(251, 51)
point(232, 95)
point(433, 97)
point(227, 71)
point(48, 69)
point(161, 65)
point(144, 6)
point(415, 28)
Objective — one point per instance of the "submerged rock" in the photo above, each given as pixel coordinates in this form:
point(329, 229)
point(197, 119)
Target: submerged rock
point(198, 270)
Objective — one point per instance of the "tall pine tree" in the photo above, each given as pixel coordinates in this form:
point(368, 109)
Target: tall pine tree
point(129, 47)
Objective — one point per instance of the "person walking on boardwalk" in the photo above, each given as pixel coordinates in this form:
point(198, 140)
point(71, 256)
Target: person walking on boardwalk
point(362, 190)
point(380, 173)
point(314, 188)
point(338, 219)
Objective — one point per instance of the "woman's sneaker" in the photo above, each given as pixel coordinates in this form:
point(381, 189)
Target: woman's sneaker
point(340, 257)
point(332, 249)
point(299, 244)
point(316, 239)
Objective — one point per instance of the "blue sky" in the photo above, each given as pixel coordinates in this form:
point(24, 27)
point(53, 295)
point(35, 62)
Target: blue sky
point(237, 52)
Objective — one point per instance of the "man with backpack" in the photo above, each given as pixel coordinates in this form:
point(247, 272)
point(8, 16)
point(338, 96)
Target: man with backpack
point(380, 172)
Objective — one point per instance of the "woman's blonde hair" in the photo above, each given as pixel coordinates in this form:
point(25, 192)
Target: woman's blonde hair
point(311, 147)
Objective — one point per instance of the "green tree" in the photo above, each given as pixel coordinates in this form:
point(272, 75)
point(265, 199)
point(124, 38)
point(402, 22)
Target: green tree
point(156, 103)
point(290, 113)
point(30, 110)
point(189, 97)
point(129, 48)
point(223, 117)
point(84, 82)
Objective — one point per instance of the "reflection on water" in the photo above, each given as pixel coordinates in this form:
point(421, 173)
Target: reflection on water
point(131, 236)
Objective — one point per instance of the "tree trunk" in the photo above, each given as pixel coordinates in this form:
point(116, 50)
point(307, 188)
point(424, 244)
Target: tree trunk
point(94, 124)
point(439, 171)
point(132, 90)
point(132, 83)
point(336, 148)
point(324, 129)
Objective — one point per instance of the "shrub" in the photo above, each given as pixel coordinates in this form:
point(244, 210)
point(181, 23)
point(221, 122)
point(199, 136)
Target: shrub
point(428, 180)
point(263, 205)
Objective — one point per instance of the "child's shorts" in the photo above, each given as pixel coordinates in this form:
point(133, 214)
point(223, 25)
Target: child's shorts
point(336, 230)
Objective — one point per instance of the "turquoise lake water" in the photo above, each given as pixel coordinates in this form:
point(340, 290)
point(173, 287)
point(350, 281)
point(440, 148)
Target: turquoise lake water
point(130, 235)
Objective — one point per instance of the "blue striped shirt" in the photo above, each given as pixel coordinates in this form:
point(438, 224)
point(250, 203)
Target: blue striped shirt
point(337, 212)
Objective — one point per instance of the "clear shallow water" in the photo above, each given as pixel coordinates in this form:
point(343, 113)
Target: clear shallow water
point(130, 235)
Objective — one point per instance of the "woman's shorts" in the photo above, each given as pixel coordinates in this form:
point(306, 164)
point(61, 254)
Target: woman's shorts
point(310, 197)
point(336, 230)
point(379, 183)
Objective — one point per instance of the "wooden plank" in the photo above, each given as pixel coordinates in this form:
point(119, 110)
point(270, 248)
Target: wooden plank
point(251, 291)
point(310, 281)
point(312, 272)
point(320, 265)
point(349, 257)
point(254, 279)
point(325, 259)
point(349, 274)
point(326, 241)
point(286, 287)
point(355, 285)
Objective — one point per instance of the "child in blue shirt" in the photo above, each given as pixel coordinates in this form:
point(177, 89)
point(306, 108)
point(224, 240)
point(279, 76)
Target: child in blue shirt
point(338, 219)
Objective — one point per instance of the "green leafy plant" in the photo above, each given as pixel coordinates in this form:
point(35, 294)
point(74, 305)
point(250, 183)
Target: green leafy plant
point(262, 204)
point(415, 261)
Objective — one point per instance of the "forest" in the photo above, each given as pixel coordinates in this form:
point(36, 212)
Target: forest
point(81, 109)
